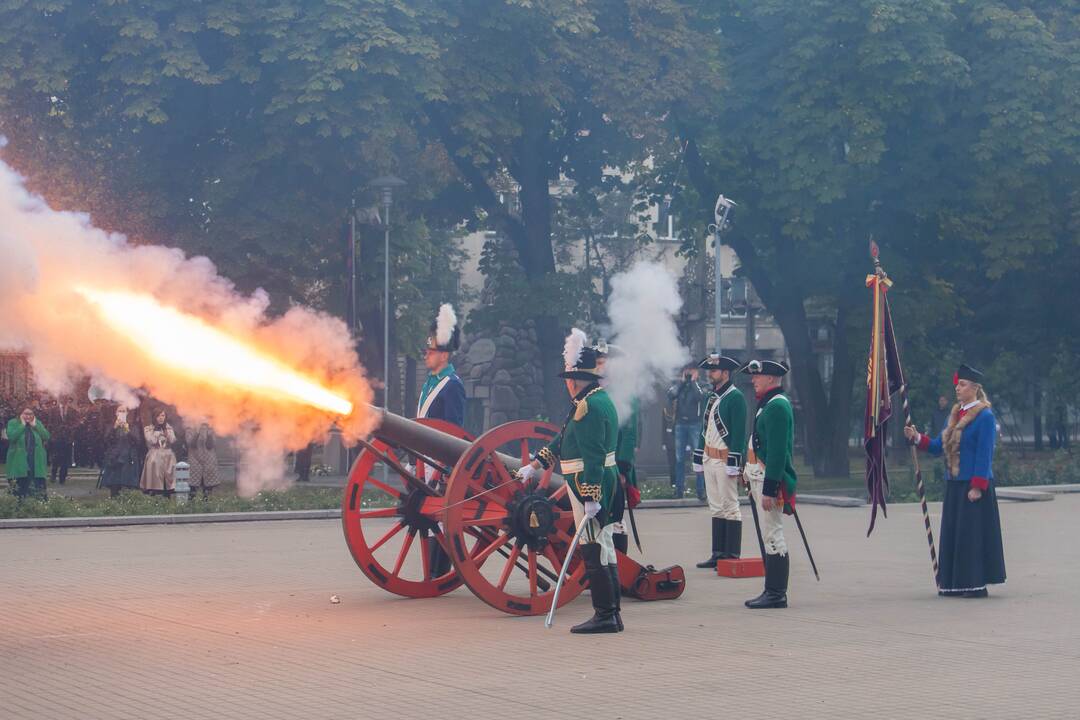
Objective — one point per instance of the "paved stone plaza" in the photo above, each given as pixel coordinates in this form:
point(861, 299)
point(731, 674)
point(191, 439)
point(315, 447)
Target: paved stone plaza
point(235, 621)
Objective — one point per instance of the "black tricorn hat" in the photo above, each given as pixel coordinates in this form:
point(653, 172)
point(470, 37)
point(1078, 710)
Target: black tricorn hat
point(719, 362)
point(766, 367)
point(966, 372)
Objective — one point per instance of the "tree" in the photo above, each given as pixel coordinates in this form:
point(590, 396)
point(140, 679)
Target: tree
point(548, 90)
point(239, 130)
point(843, 121)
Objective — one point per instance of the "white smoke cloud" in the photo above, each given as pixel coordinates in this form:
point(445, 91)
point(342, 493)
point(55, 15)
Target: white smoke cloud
point(642, 308)
point(45, 255)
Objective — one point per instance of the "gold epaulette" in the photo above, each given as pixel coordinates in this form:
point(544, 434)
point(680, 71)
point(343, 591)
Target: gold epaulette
point(581, 407)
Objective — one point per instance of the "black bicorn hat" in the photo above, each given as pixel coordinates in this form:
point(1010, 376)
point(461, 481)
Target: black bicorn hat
point(966, 372)
point(580, 360)
point(715, 361)
point(766, 367)
point(445, 335)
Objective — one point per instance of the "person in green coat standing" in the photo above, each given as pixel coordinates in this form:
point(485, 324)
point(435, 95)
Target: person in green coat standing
point(628, 495)
point(720, 456)
point(585, 454)
point(27, 459)
point(771, 473)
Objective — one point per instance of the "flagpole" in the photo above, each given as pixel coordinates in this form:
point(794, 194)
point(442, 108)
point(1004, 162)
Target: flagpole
point(879, 278)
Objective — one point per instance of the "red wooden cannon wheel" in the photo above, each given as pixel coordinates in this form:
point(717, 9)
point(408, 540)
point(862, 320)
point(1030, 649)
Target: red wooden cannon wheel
point(532, 525)
point(381, 549)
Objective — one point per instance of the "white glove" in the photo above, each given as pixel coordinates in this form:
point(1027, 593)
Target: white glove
point(754, 473)
point(592, 509)
point(526, 472)
point(410, 468)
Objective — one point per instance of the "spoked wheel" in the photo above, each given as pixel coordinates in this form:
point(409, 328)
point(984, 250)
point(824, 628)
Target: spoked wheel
point(395, 546)
point(507, 540)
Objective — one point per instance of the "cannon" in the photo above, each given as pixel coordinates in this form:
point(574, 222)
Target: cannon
point(423, 484)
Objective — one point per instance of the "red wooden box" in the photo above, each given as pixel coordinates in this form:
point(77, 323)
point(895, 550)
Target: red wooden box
point(741, 568)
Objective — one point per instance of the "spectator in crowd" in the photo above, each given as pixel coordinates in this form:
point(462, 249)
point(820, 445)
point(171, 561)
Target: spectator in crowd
point(63, 419)
point(202, 457)
point(158, 473)
point(688, 397)
point(940, 417)
point(303, 463)
point(122, 459)
point(27, 457)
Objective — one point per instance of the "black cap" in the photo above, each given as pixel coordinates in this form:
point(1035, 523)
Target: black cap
point(766, 367)
point(719, 362)
point(966, 372)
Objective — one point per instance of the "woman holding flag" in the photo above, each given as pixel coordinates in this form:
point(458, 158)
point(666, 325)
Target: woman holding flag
point(971, 550)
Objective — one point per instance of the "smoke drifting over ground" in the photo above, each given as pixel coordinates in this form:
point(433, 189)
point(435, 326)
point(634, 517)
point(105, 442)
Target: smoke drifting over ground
point(642, 307)
point(49, 260)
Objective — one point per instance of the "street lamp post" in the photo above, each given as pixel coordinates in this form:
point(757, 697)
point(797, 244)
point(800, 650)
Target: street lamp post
point(385, 185)
point(720, 214)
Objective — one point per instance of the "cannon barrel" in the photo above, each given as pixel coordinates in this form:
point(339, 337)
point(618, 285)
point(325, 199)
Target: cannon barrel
point(428, 441)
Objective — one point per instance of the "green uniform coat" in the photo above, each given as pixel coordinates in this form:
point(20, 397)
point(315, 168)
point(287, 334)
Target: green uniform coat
point(590, 439)
point(17, 460)
point(726, 406)
point(774, 440)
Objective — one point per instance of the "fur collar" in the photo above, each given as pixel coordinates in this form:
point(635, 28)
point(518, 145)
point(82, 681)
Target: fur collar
point(950, 436)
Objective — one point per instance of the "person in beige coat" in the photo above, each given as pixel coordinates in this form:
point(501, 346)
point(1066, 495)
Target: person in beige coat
point(158, 473)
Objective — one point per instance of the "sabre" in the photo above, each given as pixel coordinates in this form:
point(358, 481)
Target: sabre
point(757, 520)
point(633, 521)
point(562, 573)
point(802, 532)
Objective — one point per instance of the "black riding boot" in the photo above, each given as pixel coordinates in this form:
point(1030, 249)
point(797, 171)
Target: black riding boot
point(438, 561)
point(776, 580)
point(616, 589)
point(719, 529)
point(733, 540)
point(622, 542)
point(603, 595)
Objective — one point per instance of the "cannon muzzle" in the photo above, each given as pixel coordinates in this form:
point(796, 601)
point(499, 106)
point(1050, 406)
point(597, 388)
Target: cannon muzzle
point(411, 435)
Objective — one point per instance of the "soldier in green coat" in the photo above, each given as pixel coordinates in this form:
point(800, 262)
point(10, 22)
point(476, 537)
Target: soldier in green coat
point(627, 494)
point(771, 474)
point(585, 453)
point(719, 456)
point(26, 455)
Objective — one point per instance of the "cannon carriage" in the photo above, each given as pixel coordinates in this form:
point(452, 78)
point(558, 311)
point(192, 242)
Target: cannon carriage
point(445, 489)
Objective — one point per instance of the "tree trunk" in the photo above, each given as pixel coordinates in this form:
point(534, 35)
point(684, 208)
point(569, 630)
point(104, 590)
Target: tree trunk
point(1037, 415)
point(533, 173)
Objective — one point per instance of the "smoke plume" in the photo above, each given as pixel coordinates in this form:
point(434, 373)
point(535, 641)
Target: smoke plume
point(642, 308)
point(50, 260)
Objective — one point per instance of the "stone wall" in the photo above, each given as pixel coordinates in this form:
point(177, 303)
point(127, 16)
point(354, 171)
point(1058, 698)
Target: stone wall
point(502, 370)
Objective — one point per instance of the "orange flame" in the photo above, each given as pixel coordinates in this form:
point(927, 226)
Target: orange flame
point(168, 336)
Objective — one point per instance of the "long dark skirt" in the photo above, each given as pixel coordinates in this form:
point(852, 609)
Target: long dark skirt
point(971, 553)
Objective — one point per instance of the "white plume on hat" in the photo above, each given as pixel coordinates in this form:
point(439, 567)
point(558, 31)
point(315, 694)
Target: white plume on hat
point(445, 324)
point(575, 343)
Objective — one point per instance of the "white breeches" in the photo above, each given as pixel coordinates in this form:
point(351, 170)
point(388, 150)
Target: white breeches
point(721, 489)
point(772, 523)
point(594, 533)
